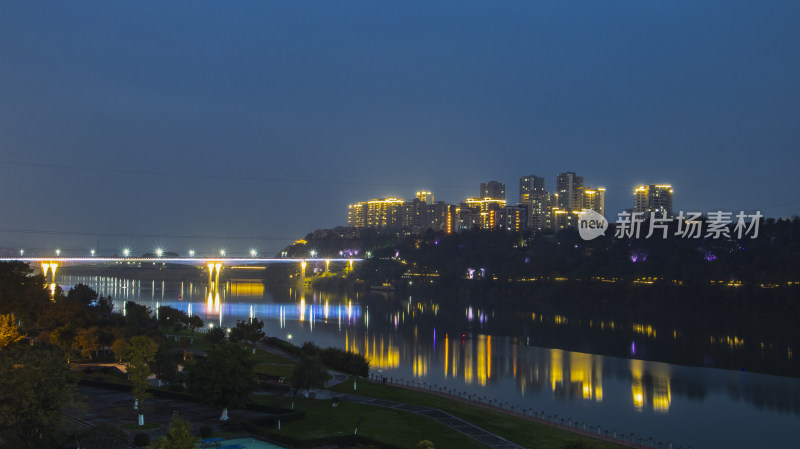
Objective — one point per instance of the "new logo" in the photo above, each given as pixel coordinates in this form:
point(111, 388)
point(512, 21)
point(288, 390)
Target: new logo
point(591, 224)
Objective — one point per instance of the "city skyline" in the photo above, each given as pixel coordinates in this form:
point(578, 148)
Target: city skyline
point(250, 125)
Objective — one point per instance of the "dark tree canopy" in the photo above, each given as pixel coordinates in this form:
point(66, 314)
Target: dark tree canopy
point(225, 378)
point(22, 292)
point(309, 372)
point(36, 388)
point(249, 331)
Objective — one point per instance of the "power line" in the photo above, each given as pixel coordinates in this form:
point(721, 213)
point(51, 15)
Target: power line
point(118, 234)
point(215, 176)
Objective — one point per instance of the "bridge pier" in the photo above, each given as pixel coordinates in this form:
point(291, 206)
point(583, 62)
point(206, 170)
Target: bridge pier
point(51, 266)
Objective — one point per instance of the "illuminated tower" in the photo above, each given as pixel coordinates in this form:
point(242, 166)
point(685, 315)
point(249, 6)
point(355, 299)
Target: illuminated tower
point(569, 188)
point(494, 190)
point(595, 199)
point(425, 197)
point(653, 198)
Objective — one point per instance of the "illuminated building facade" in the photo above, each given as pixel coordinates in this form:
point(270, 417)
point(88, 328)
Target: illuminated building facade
point(653, 198)
point(415, 216)
point(494, 190)
point(532, 194)
point(425, 197)
point(489, 210)
point(530, 187)
point(378, 213)
point(569, 188)
point(515, 218)
point(595, 199)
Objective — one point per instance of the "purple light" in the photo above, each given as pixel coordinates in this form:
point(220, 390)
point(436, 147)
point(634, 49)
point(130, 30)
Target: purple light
point(709, 256)
point(633, 347)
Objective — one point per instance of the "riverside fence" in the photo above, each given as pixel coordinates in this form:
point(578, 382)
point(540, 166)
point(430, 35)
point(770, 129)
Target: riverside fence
point(566, 423)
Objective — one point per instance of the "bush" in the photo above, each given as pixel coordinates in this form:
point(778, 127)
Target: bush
point(141, 439)
point(205, 431)
point(233, 425)
point(215, 335)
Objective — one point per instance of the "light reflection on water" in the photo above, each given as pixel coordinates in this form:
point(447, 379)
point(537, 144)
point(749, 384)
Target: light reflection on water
point(472, 353)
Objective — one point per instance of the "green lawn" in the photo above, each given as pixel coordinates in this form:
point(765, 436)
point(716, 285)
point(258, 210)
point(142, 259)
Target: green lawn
point(395, 427)
point(275, 370)
point(521, 431)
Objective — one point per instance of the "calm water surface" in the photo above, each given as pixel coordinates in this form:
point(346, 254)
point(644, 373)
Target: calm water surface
point(613, 376)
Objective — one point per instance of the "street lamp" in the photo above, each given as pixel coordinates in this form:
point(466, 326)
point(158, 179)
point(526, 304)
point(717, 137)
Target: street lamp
point(92, 252)
point(222, 253)
point(253, 253)
point(191, 253)
point(58, 252)
point(126, 252)
point(21, 252)
point(313, 253)
point(159, 252)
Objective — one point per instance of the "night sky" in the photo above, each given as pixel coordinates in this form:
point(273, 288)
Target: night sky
point(248, 124)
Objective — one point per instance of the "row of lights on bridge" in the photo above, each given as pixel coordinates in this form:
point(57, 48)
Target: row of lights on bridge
point(126, 252)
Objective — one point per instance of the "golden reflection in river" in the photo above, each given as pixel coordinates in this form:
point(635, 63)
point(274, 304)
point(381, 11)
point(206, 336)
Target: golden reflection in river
point(584, 371)
point(651, 387)
point(245, 288)
point(381, 354)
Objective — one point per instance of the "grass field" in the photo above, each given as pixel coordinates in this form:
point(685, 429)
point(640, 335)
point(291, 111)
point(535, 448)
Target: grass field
point(521, 431)
point(395, 427)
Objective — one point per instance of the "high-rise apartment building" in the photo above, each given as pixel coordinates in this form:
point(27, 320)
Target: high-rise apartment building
point(425, 197)
point(494, 190)
point(653, 198)
point(595, 199)
point(530, 186)
point(378, 213)
point(534, 196)
point(569, 188)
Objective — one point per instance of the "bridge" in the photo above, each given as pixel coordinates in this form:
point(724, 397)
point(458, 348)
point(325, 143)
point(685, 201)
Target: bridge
point(214, 264)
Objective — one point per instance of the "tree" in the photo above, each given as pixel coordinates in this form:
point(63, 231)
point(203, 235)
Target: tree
point(249, 331)
point(22, 292)
point(120, 348)
point(424, 444)
point(179, 435)
point(64, 337)
point(87, 341)
point(172, 317)
point(308, 373)
point(9, 332)
point(138, 317)
point(82, 294)
point(36, 388)
point(225, 378)
point(195, 322)
point(165, 364)
point(141, 351)
point(215, 335)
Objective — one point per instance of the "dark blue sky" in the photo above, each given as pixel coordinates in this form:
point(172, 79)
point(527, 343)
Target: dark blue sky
point(166, 105)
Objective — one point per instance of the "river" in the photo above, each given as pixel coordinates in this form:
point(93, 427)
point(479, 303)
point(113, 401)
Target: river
point(692, 386)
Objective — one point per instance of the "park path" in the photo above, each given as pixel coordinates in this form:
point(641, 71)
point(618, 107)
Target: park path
point(444, 418)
